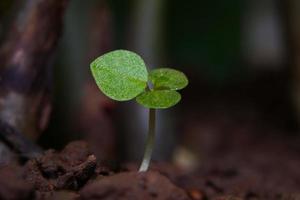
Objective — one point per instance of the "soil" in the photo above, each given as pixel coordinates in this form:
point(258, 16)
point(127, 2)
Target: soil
point(75, 173)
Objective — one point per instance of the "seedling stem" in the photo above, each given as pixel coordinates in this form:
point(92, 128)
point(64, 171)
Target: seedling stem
point(149, 142)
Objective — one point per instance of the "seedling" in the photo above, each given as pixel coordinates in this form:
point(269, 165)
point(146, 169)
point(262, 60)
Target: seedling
point(122, 75)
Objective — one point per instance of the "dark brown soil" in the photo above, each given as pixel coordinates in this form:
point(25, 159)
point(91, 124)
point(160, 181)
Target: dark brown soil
point(74, 174)
point(134, 186)
point(70, 169)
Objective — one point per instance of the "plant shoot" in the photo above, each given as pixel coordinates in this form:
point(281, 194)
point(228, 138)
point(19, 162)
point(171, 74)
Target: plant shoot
point(122, 75)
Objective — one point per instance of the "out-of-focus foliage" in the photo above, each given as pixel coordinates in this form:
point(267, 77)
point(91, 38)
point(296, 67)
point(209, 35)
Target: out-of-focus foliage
point(5, 12)
point(5, 5)
point(205, 35)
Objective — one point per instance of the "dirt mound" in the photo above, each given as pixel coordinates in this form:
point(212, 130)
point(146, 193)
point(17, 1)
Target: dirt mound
point(75, 174)
point(133, 186)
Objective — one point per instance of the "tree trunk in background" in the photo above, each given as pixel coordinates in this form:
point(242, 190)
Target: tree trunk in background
point(25, 70)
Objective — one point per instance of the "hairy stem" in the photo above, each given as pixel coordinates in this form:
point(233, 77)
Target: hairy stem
point(150, 141)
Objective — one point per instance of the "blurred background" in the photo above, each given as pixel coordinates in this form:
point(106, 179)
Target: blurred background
point(242, 58)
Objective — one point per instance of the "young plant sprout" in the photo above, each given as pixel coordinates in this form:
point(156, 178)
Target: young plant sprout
point(122, 75)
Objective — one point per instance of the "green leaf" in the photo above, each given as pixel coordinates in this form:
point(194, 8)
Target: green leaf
point(165, 78)
point(159, 98)
point(120, 74)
